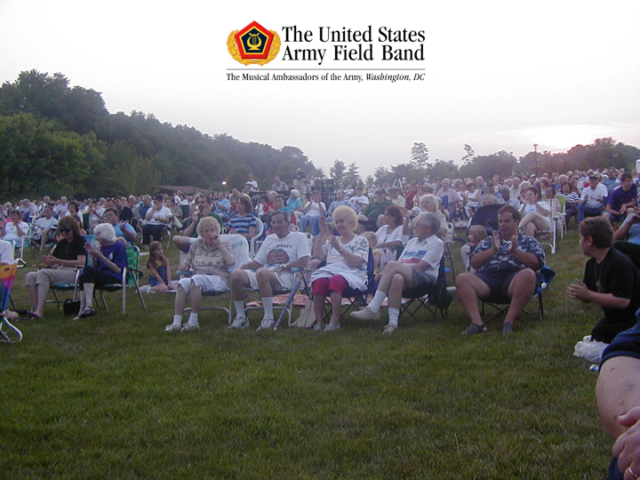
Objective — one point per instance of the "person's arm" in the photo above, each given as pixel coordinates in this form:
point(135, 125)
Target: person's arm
point(623, 231)
point(128, 231)
point(579, 291)
point(103, 259)
point(188, 231)
point(149, 214)
point(227, 256)
point(529, 259)
point(541, 210)
point(480, 257)
point(350, 258)
point(252, 265)
point(154, 273)
point(302, 262)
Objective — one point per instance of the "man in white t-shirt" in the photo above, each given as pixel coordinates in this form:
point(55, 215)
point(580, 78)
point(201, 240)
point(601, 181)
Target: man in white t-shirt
point(417, 265)
point(45, 229)
point(359, 200)
point(313, 210)
point(158, 217)
point(592, 200)
point(279, 253)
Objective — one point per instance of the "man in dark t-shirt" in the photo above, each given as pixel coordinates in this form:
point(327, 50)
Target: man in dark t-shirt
point(125, 214)
point(610, 280)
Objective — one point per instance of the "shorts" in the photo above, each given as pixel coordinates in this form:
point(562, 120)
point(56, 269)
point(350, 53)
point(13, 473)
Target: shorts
point(207, 283)
point(498, 282)
point(284, 278)
point(421, 278)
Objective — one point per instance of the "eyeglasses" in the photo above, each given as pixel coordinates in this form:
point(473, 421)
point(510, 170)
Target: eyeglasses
point(65, 230)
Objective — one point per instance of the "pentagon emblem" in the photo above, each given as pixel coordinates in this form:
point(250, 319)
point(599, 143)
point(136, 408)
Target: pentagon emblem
point(254, 44)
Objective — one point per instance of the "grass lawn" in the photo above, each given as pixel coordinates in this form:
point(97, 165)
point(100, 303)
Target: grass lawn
point(116, 397)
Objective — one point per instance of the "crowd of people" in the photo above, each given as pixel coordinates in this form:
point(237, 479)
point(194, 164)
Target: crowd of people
point(401, 232)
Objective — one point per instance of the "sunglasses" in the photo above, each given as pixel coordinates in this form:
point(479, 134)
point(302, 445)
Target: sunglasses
point(65, 230)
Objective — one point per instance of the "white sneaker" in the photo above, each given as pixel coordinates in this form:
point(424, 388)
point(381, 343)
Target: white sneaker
point(267, 324)
point(190, 326)
point(331, 328)
point(366, 314)
point(173, 328)
point(389, 328)
point(145, 289)
point(239, 322)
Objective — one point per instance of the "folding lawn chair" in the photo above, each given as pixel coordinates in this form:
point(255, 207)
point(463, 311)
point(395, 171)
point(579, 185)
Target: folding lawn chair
point(501, 303)
point(433, 297)
point(487, 216)
point(8, 332)
point(240, 250)
point(354, 296)
point(130, 276)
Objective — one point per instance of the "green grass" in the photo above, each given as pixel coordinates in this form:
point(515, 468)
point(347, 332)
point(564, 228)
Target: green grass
point(116, 397)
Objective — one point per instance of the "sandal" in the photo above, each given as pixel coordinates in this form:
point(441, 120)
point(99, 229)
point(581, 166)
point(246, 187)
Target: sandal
point(475, 329)
point(88, 312)
point(507, 328)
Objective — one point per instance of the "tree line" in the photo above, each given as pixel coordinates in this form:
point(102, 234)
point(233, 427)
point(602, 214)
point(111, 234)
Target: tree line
point(58, 140)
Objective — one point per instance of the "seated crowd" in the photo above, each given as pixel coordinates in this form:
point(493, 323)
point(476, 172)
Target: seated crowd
point(403, 233)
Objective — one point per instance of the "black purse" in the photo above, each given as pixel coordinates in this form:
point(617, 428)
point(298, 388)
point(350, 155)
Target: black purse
point(71, 307)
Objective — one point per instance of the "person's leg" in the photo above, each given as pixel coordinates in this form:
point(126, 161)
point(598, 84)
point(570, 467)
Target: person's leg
point(239, 280)
point(180, 304)
point(337, 286)
point(320, 289)
point(267, 281)
point(581, 213)
point(146, 234)
point(315, 225)
point(617, 391)
point(520, 291)
point(398, 284)
point(195, 294)
point(157, 231)
point(30, 283)
point(390, 270)
point(470, 289)
point(303, 223)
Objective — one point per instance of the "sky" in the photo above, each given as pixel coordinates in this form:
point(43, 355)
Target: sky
point(498, 75)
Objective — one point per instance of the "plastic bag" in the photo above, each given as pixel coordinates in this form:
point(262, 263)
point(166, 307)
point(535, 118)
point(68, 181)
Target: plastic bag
point(590, 349)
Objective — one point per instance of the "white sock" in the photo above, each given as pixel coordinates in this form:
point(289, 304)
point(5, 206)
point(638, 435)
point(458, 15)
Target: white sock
point(378, 298)
point(193, 319)
point(394, 313)
point(240, 308)
point(267, 303)
point(177, 319)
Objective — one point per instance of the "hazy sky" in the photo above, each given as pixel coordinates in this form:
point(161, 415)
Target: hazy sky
point(500, 75)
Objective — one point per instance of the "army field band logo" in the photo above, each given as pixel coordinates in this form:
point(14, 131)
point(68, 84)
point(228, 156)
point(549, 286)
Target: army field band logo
point(253, 44)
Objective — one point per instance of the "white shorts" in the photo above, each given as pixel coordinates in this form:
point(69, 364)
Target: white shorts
point(207, 283)
point(285, 279)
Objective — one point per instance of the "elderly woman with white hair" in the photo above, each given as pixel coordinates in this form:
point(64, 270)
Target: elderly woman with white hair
point(108, 262)
point(209, 259)
point(295, 204)
point(346, 258)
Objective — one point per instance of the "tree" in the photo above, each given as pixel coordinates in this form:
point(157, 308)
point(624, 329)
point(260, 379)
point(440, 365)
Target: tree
point(420, 155)
point(469, 153)
point(352, 176)
point(337, 173)
point(40, 157)
point(500, 163)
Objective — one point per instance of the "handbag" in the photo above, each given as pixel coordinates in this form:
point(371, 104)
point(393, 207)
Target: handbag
point(307, 316)
point(71, 307)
